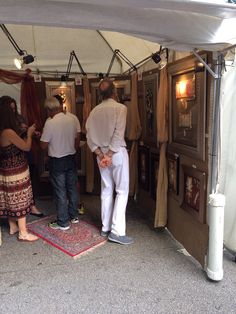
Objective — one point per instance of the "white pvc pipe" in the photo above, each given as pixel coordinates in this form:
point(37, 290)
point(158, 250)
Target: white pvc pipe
point(216, 228)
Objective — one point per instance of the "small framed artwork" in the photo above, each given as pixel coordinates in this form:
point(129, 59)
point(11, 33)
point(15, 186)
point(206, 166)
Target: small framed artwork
point(193, 196)
point(173, 173)
point(44, 165)
point(143, 167)
point(150, 83)
point(66, 92)
point(185, 88)
point(154, 167)
point(122, 90)
point(80, 158)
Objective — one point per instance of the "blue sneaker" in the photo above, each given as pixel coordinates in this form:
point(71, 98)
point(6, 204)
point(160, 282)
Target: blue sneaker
point(120, 239)
point(105, 234)
point(54, 225)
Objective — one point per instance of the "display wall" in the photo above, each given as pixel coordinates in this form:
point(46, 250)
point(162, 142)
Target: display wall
point(190, 101)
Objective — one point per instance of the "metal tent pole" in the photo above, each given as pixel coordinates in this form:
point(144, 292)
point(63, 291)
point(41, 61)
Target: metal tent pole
point(216, 202)
point(215, 135)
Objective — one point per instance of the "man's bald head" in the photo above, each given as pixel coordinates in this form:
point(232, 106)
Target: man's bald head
point(106, 89)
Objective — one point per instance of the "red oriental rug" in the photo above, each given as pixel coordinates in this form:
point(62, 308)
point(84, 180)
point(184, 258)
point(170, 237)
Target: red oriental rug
point(80, 238)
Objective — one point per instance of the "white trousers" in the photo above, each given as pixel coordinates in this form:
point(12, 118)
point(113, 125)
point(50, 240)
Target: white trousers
point(116, 176)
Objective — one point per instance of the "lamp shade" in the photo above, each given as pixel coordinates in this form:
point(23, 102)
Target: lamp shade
point(28, 59)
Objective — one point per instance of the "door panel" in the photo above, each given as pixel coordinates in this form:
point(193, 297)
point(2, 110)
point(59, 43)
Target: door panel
point(188, 129)
point(188, 231)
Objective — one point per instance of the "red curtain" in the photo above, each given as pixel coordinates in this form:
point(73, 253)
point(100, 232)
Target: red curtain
point(30, 108)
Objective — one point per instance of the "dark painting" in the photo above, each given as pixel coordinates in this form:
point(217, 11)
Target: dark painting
point(150, 102)
point(143, 167)
point(154, 174)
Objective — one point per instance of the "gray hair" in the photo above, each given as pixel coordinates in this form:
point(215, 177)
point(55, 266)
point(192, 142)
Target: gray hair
point(52, 103)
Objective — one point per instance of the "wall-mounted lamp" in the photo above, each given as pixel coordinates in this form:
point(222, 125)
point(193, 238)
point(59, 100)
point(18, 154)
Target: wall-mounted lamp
point(156, 57)
point(160, 57)
point(118, 53)
point(24, 57)
point(199, 67)
point(63, 81)
point(101, 76)
point(64, 78)
point(20, 62)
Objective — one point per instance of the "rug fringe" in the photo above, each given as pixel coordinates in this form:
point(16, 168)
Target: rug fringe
point(89, 250)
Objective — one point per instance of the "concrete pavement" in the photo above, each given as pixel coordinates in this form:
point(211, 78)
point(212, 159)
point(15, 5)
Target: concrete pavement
point(151, 276)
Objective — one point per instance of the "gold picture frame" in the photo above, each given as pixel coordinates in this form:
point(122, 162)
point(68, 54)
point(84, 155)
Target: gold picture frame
point(122, 89)
point(67, 92)
point(193, 192)
point(187, 114)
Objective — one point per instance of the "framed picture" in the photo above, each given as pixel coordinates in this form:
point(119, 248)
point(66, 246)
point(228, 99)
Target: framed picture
point(150, 102)
point(122, 90)
point(187, 91)
point(44, 166)
point(193, 197)
point(143, 167)
point(154, 167)
point(66, 92)
point(185, 88)
point(173, 173)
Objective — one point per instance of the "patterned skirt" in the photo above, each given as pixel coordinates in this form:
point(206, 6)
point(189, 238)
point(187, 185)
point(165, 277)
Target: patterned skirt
point(16, 196)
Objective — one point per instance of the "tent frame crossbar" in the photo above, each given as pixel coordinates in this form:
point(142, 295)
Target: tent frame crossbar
point(215, 75)
point(215, 131)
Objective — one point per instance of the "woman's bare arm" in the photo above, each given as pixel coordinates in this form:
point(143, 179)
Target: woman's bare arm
point(15, 139)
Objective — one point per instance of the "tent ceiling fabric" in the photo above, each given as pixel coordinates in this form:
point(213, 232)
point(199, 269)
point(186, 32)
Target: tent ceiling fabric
point(52, 46)
point(176, 24)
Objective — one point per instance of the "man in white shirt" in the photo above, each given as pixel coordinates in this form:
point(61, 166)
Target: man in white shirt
point(59, 137)
point(105, 137)
point(78, 127)
point(81, 208)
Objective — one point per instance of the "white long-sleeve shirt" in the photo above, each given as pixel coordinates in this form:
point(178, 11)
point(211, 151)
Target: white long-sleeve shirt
point(106, 126)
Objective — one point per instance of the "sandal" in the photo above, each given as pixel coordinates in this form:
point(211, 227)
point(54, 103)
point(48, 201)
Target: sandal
point(39, 215)
point(13, 233)
point(28, 238)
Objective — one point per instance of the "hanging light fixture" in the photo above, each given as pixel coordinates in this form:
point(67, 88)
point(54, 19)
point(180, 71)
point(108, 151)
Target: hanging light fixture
point(160, 58)
point(118, 53)
point(64, 78)
point(24, 58)
point(63, 81)
point(156, 57)
point(20, 62)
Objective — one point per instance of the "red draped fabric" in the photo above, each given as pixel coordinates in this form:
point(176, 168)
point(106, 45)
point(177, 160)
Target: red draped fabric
point(30, 108)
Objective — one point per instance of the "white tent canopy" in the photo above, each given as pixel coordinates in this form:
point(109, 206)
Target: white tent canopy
point(52, 46)
point(50, 29)
point(178, 24)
